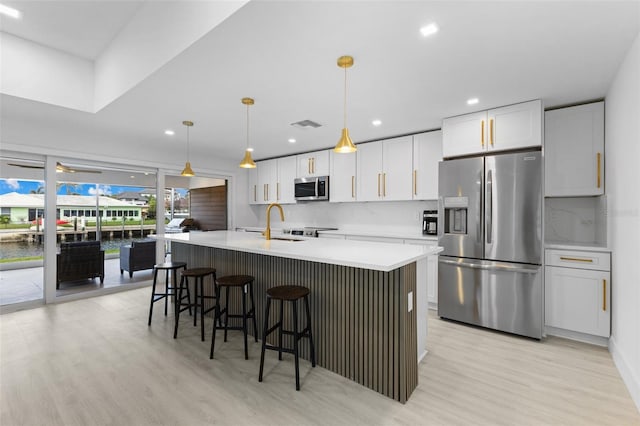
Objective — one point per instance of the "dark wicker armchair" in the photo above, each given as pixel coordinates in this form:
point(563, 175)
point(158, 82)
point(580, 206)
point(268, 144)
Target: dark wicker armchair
point(137, 256)
point(80, 260)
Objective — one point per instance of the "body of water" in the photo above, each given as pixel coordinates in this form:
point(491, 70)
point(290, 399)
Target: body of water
point(12, 250)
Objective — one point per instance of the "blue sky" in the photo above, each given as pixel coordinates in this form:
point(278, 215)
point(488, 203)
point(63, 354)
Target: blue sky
point(26, 186)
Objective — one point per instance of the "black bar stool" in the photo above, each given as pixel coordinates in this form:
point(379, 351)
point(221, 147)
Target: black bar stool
point(169, 290)
point(198, 301)
point(287, 293)
point(245, 284)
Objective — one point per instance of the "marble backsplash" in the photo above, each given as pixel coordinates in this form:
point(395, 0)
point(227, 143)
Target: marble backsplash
point(578, 220)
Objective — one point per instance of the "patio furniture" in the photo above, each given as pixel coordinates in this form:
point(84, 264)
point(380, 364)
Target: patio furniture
point(137, 256)
point(80, 260)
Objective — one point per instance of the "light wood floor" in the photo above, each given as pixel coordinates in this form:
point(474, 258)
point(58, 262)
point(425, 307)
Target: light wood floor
point(95, 362)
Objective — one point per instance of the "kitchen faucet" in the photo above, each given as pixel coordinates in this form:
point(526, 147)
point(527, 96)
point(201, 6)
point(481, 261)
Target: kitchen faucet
point(267, 232)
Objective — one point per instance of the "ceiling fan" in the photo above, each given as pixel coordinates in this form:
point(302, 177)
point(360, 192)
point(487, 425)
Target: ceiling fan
point(60, 168)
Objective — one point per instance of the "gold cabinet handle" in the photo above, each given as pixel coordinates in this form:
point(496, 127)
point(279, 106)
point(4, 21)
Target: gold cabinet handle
point(378, 184)
point(384, 184)
point(353, 187)
point(576, 259)
point(415, 182)
point(604, 295)
point(491, 131)
point(482, 133)
point(599, 167)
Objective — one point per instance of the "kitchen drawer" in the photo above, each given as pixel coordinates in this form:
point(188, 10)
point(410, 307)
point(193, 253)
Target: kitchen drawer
point(600, 261)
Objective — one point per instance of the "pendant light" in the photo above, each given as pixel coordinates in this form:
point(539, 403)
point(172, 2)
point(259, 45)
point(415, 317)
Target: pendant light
point(345, 144)
point(247, 162)
point(187, 167)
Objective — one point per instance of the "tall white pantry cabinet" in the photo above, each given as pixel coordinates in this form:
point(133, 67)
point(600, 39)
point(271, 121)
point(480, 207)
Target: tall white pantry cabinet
point(577, 276)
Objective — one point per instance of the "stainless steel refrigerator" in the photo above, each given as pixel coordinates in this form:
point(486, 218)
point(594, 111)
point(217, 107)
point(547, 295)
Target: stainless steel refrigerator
point(490, 226)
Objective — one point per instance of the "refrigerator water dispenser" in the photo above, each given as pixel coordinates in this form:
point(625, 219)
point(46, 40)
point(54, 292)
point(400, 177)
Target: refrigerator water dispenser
point(455, 215)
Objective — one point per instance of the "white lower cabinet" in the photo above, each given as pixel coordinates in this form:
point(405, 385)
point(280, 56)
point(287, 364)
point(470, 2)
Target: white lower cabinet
point(432, 282)
point(578, 291)
point(432, 273)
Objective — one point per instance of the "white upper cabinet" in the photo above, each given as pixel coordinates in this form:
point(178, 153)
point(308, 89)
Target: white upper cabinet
point(574, 151)
point(515, 126)
point(342, 183)
point(253, 186)
point(385, 170)
point(313, 164)
point(464, 134)
point(397, 162)
point(369, 167)
point(427, 153)
point(510, 127)
point(267, 181)
point(287, 172)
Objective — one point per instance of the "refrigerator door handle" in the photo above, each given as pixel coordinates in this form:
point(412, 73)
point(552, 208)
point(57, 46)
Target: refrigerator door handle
point(493, 267)
point(479, 210)
point(489, 206)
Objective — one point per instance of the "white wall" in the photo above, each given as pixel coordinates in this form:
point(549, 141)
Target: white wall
point(622, 124)
point(36, 72)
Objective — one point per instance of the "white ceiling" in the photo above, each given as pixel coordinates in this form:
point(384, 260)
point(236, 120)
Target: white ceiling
point(284, 54)
point(82, 28)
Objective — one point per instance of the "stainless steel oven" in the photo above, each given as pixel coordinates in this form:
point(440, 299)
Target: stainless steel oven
point(312, 188)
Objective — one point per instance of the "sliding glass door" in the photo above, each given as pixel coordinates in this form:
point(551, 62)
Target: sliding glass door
point(22, 236)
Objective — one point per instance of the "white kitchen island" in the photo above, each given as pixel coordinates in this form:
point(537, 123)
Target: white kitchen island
point(368, 322)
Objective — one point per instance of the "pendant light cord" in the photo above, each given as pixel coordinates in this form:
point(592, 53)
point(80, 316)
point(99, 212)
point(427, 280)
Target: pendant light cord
point(345, 97)
point(187, 143)
point(247, 126)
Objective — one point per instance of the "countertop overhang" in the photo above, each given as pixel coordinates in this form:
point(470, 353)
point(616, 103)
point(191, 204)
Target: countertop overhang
point(358, 254)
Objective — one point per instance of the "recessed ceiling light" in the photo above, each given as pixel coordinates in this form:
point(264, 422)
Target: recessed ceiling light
point(132, 177)
point(376, 122)
point(472, 101)
point(292, 140)
point(428, 30)
point(9, 11)
point(169, 132)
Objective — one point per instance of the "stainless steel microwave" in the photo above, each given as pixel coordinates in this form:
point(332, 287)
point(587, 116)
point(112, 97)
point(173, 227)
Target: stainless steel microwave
point(311, 188)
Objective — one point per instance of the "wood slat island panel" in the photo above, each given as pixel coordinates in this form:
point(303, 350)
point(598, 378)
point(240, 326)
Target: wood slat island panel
point(362, 325)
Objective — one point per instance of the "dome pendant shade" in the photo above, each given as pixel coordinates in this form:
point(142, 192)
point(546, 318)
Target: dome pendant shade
point(345, 144)
point(187, 170)
point(247, 162)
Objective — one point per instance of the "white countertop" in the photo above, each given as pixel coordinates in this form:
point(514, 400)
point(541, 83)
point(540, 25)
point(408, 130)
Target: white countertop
point(400, 233)
point(359, 254)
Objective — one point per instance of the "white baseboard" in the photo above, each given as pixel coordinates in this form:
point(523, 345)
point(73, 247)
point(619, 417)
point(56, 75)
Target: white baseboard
point(580, 337)
point(628, 376)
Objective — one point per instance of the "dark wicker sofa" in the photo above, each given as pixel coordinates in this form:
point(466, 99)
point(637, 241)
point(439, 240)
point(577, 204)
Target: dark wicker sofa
point(137, 256)
point(80, 260)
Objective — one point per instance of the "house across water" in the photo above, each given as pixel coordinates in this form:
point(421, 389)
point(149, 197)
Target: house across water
point(23, 208)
